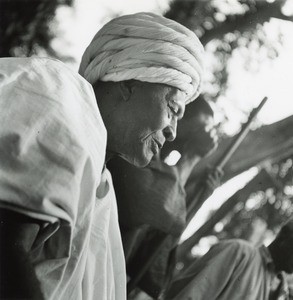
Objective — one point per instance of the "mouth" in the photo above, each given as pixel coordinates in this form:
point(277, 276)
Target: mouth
point(156, 146)
point(160, 145)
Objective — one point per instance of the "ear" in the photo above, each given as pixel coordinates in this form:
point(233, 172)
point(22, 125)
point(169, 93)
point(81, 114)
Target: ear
point(127, 89)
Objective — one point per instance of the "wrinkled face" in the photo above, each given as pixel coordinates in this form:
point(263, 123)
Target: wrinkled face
point(152, 112)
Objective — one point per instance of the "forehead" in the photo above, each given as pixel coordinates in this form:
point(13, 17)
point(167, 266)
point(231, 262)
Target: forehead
point(176, 95)
point(164, 92)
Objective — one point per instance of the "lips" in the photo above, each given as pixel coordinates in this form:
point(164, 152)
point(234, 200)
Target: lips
point(155, 146)
point(160, 145)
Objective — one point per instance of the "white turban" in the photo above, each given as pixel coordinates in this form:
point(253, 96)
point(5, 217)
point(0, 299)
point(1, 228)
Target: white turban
point(145, 47)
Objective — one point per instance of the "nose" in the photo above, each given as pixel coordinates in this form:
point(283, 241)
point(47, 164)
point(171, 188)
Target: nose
point(171, 130)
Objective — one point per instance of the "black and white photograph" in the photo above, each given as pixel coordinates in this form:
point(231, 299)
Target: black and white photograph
point(146, 149)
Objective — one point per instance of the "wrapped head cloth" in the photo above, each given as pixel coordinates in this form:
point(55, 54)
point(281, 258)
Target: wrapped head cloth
point(145, 47)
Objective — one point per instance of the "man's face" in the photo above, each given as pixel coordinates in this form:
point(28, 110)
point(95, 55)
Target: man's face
point(152, 112)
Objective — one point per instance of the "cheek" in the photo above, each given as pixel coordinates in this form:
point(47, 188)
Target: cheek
point(160, 117)
point(142, 154)
point(154, 120)
point(151, 112)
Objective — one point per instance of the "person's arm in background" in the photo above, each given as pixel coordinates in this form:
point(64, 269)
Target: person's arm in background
point(17, 276)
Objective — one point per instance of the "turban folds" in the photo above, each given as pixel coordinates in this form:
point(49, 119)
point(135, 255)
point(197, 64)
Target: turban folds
point(145, 47)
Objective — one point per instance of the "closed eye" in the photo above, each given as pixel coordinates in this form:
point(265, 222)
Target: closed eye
point(174, 109)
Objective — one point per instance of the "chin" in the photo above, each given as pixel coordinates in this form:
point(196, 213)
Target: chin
point(139, 162)
point(139, 157)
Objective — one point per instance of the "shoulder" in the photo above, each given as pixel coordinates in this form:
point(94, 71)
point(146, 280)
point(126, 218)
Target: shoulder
point(54, 113)
point(50, 79)
point(42, 66)
point(49, 88)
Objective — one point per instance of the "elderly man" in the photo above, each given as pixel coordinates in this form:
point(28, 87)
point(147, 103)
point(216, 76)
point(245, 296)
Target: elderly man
point(58, 211)
point(234, 269)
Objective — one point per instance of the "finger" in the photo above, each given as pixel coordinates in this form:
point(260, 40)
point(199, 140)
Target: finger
point(219, 172)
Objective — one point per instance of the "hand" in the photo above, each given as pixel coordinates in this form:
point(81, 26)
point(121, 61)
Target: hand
point(213, 180)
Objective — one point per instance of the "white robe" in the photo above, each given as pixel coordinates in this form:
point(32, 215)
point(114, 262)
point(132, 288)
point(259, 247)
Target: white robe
point(52, 154)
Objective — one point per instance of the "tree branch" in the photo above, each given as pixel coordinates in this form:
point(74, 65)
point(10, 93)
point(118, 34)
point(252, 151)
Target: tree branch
point(264, 12)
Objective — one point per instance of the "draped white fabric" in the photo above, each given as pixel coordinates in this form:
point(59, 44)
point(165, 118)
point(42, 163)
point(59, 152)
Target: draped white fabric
point(145, 47)
point(52, 154)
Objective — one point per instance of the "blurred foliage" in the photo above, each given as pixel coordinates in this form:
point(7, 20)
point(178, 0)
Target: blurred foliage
point(254, 213)
point(26, 27)
point(227, 26)
point(268, 208)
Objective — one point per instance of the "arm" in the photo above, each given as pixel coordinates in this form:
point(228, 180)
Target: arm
point(17, 234)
